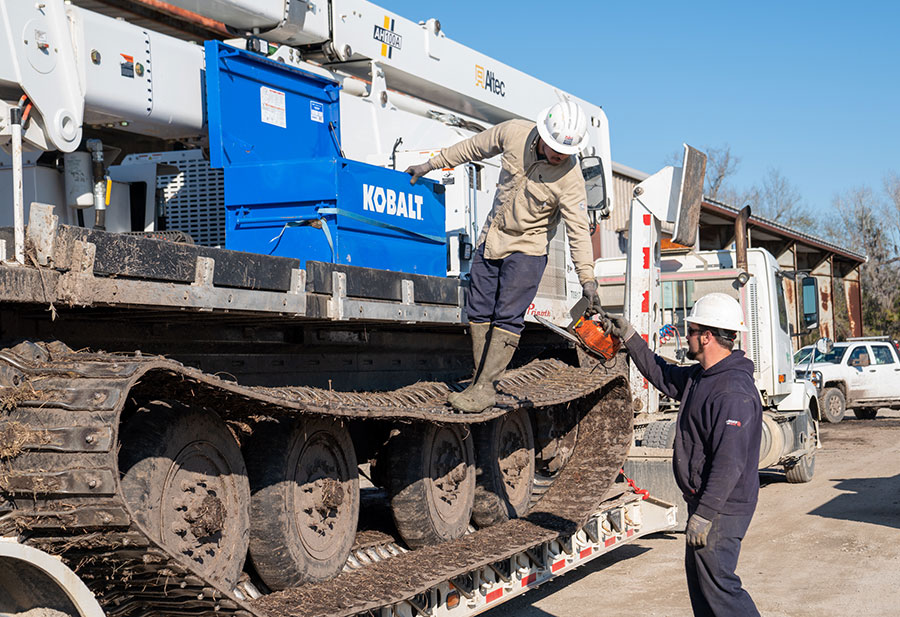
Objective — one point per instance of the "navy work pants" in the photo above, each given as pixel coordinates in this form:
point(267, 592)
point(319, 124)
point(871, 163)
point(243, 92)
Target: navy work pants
point(714, 587)
point(501, 290)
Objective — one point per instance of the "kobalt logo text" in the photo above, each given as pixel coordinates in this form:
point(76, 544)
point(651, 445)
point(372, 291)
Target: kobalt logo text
point(388, 201)
point(488, 80)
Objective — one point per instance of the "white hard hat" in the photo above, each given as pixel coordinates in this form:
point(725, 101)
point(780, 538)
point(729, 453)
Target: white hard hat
point(718, 310)
point(563, 127)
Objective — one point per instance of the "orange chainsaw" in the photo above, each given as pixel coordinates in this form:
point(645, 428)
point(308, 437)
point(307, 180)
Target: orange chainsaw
point(589, 335)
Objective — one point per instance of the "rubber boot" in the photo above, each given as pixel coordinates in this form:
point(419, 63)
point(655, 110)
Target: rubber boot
point(482, 394)
point(479, 333)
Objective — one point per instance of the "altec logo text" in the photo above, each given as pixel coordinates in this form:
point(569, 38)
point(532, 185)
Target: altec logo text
point(389, 39)
point(388, 201)
point(487, 80)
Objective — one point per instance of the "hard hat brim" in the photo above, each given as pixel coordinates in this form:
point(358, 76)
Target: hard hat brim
point(551, 143)
point(711, 325)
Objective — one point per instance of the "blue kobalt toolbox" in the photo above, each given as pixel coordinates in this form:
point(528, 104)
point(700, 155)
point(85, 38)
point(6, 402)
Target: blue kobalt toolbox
point(275, 132)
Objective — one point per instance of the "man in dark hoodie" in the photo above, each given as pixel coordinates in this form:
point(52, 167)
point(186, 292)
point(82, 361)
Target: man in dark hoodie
point(716, 446)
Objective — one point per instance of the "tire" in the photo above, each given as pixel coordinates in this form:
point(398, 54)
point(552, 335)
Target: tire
point(504, 457)
point(432, 482)
point(185, 482)
point(305, 504)
point(865, 413)
point(833, 405)
point(803, 470)
point(660, 434)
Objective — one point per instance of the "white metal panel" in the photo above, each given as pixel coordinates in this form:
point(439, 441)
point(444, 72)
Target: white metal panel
point(40, 184)
point(138, 80)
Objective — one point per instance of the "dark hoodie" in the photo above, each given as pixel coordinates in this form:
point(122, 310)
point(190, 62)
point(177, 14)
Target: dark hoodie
point(719, 428)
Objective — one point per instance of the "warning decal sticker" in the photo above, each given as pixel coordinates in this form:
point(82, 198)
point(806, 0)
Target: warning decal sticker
point(272, 106)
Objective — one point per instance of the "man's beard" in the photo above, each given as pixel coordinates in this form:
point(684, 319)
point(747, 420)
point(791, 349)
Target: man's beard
point(691, 355)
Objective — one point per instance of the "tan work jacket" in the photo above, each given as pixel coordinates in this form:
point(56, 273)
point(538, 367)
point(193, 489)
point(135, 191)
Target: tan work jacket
point(531, 195)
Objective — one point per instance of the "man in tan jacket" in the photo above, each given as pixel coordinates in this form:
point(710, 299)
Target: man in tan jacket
point(540, 180)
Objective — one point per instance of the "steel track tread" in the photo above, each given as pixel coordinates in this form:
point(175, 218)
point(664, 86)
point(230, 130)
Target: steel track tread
point(67, 512)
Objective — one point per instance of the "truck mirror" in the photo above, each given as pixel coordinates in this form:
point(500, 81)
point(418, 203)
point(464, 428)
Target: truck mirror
point(824, 345)
point(809, 302)
point(595, 187)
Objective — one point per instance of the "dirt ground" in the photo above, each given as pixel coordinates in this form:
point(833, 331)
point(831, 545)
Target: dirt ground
point(830, 547)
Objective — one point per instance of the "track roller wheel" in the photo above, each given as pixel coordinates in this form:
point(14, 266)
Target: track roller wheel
point(305, 503)
point(432, 482)
point(504, 456)
point(185, 482)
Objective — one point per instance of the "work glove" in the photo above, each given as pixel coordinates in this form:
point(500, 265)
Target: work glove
point(697, 531)
point(618, 327)
point(589, 292)
point(417, 171)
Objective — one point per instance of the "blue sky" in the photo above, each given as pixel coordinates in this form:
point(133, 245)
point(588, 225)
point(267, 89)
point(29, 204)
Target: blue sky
point(811, 89)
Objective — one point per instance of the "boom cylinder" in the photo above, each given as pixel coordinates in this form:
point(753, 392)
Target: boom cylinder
point(99, 173)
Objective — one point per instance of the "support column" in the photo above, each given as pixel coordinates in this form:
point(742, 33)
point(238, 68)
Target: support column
point(853, 297)
point(824, 274)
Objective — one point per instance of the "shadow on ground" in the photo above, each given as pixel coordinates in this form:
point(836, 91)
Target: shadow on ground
point(869, 500)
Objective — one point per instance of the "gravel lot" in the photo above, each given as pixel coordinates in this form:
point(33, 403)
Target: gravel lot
point(830, 547)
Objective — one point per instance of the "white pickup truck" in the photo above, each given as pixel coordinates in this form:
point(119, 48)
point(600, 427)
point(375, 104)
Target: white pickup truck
point(862, 374)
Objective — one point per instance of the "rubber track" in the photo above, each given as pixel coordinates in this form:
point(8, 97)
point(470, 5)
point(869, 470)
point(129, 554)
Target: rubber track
point(67, 499)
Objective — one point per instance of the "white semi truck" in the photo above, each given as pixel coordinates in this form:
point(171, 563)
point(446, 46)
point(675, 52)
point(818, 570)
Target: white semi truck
point(230, 324)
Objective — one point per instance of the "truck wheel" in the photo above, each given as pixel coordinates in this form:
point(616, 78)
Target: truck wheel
point(659, 434)
point(865, 413)
point(833, 405)
point(504, 457)
point(305, 504)
point(432, 482)
point(185, 482)
point(802, 471)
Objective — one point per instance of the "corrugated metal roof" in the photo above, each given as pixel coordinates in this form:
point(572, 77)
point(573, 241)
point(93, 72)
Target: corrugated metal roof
point(789, 232)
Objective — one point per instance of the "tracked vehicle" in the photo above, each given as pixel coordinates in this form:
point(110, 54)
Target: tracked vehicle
point(231, 324)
